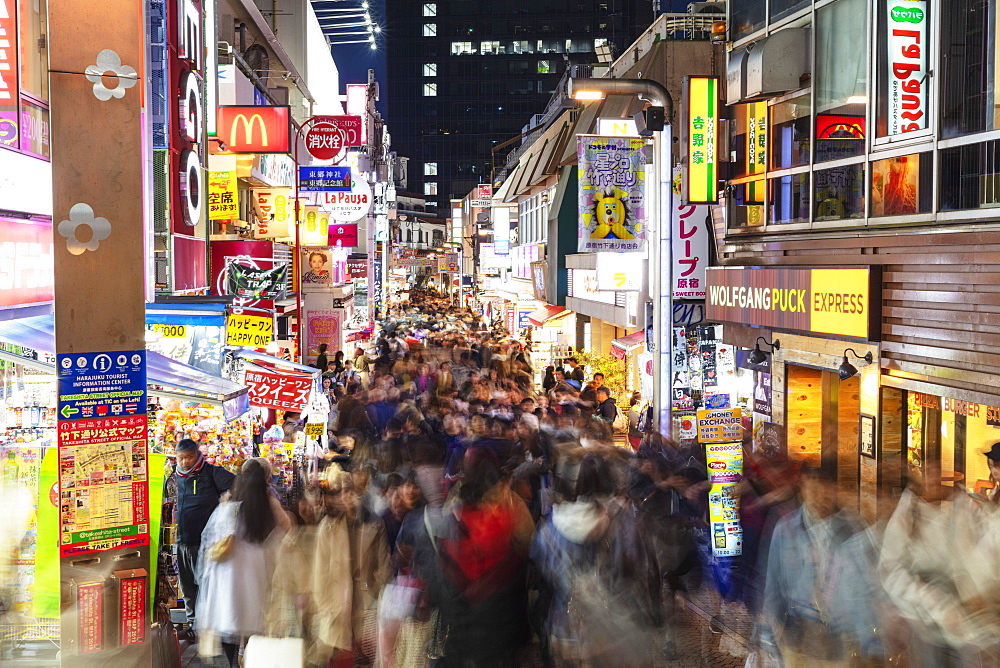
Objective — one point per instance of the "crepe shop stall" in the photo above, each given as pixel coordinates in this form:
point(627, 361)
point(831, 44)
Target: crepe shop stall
point(195, 333)
point(278, 387)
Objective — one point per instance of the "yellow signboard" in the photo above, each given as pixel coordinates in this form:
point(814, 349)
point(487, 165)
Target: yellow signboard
point(720, 426)
point(701, 182)
point(314, 230)
point(223, 202)
point(254, 331)
point(170, 331)
point(756, 120)
point(839, 301)
point(314, 428)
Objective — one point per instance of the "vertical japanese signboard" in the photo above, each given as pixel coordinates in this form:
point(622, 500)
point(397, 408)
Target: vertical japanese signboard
point(906, 66)
point(612, 194)
point(223, 203)
point(756, 120)
point(690, 250)
point(701, 115)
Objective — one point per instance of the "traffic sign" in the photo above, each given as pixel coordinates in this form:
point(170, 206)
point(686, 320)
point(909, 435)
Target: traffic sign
point(319, 178)
point(331, 136)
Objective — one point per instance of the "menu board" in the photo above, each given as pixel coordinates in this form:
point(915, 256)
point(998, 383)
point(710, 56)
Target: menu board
point(725, 470)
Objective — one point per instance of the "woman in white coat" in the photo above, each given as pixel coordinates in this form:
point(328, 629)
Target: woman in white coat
point(236, 562)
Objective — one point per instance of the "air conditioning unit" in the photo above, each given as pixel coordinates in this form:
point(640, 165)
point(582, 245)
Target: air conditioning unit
point(707, 8)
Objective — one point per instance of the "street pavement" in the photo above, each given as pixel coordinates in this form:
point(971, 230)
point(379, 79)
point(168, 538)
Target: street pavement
point(697, 645)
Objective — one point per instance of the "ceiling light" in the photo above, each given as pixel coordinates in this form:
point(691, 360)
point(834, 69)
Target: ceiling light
point(847, 369)
point(378, 28)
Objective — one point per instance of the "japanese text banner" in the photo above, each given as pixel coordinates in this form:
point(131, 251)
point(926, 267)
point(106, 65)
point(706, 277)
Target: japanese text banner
point(612, 194)
point(279, 391)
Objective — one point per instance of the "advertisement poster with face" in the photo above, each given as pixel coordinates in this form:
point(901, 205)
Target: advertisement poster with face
point(317, 271)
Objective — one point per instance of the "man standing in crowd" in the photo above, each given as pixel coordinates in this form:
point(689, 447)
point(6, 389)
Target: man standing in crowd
point(576, 371)
point(199, 487)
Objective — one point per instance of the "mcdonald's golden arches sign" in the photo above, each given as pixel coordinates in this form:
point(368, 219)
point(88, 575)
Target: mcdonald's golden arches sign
point(255, 129)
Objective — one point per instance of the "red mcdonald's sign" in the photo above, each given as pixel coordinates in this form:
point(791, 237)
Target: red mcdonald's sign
point(255, 129)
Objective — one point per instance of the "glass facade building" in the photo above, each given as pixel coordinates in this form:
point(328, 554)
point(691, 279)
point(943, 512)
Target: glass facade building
point(468, 75)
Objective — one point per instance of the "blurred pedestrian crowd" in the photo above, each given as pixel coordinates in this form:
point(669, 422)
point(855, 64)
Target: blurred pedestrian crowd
point(461, 514)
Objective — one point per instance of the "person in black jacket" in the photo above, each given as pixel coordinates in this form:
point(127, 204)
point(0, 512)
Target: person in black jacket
point(199, 486)
point(606, 408)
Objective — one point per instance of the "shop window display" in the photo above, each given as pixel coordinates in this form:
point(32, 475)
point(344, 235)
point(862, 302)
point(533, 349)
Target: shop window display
point(705, 376)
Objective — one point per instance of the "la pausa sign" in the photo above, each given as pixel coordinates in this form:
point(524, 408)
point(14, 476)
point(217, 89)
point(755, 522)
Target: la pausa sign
point(348, 206)
point(907, 65)
point(837, 301)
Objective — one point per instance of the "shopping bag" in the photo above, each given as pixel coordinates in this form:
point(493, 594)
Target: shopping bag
point(265, 652)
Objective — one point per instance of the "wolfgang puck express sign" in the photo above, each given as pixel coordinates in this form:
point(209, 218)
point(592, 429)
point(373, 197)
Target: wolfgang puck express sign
point(840, 301)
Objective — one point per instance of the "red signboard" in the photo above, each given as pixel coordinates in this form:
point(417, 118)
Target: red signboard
point(343, 235)
point(90, 611)
point(190, 272)
point(840, 127)
point(132, 610)
point(330, 136)
point(255, 129)
point(276, 390)
point(25, 261)
point(484, 191)
point(253, 253)
point(8, 60)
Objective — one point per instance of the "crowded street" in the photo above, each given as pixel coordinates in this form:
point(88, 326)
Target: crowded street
point(499, 333)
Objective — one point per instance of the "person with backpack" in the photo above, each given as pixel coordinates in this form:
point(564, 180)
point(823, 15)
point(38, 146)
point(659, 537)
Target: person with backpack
point(607, 409)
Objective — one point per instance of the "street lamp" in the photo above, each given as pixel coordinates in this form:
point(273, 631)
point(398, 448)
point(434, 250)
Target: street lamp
point(651, 123)
point(647, 89)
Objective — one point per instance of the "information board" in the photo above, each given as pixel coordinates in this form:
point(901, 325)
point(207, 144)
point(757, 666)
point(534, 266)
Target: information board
point(102, 433)
point(103, 488)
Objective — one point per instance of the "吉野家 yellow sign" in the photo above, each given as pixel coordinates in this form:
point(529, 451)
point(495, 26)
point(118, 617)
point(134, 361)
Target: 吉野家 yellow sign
point(701, 182)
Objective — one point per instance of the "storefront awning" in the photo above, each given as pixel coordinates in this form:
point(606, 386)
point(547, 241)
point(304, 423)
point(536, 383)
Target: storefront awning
point(274, 363)
point(626, 344)
point(173, 379)
point(547, 314)
point(186, 314)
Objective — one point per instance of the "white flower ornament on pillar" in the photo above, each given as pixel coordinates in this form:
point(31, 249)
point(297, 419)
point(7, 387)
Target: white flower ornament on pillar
point(109, 61)
point(82, 215)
